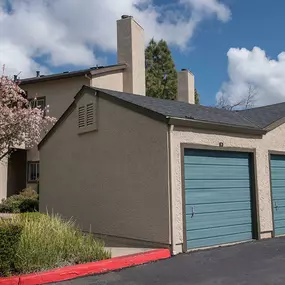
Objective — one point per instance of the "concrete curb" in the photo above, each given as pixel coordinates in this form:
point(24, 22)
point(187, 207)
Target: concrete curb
point(91, 268)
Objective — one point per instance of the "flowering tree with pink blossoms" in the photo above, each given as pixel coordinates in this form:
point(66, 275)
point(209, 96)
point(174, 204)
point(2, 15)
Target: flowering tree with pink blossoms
point(20, 123)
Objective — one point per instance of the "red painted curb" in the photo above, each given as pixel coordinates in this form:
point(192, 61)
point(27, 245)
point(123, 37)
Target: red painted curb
point(91, 268)
point(9, 281)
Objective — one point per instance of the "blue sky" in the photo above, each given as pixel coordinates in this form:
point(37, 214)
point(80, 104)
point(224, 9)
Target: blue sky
point(228, 44)
point(253, 23)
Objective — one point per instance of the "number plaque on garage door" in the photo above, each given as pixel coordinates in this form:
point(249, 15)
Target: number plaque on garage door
point(217, 197)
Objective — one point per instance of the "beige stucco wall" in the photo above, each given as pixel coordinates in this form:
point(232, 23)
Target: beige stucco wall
point(3, 177)
point(273, 140)
point(114, 180)
point(111, 81)
point(59, 95)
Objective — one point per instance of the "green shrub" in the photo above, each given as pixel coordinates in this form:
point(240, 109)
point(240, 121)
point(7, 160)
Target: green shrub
point(48, 242)
point(26, 201)
point(10, 232)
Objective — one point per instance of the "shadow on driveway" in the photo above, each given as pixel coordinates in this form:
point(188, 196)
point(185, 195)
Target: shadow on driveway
point(253, 263)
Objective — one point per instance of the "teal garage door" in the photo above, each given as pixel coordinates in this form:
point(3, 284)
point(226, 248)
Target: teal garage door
point(278, 192)
point(218, 194)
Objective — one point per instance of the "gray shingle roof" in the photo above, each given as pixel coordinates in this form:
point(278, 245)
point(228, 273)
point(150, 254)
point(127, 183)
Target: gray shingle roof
point(264, 116)
point(252, 120)
point(171, 108)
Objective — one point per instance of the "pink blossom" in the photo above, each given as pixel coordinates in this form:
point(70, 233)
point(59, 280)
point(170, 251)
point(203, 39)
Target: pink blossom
point(19, 122)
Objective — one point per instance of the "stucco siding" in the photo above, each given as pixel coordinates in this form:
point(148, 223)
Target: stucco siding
point(271, 141)
point(113, 181)
point(111, 81)
point(59, 95)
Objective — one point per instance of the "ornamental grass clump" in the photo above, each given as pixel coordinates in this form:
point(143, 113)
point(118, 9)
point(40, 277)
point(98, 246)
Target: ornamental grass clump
point(48, 241)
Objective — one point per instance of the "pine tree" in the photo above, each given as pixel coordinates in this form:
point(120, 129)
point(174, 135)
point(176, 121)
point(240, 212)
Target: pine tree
point(197, 97)
point(161, 75)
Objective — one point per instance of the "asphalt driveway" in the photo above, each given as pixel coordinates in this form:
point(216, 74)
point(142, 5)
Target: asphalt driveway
point(254, 263)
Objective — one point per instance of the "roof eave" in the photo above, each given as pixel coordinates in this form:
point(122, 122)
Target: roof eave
point(275, 124)
point(56, 77)
point(108, 69)
point(88, 72)
point(214, 126)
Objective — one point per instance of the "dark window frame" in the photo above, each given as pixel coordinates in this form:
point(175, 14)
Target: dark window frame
point(37, 162)
point(38, 98)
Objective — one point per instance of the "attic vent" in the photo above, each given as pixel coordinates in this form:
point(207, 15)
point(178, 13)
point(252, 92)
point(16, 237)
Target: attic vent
point(89, 114)
point(81, 116)
point(86, 115)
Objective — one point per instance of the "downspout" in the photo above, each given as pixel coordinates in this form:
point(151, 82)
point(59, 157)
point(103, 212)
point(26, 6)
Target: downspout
point(170, 129)
point(90, 78)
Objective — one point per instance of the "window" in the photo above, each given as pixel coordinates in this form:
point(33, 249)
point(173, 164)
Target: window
point(33, 171)
point(39, 102)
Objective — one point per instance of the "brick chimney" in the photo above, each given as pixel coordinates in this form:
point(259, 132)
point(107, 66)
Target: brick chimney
point(186, 86)
point(130, 50)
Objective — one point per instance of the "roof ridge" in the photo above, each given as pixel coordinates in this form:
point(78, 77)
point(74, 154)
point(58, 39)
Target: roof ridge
point(166, 100)
point(247, 119)
point(261, 107)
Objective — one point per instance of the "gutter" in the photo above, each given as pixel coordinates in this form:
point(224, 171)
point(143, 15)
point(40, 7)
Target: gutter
point(214, 126)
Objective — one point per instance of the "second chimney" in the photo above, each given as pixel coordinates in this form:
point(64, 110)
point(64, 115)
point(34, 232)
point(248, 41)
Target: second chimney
point(130, 45)
point(186, 86)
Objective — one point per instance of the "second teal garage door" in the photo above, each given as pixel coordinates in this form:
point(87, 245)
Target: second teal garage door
point(218, 197)
point(278, 192)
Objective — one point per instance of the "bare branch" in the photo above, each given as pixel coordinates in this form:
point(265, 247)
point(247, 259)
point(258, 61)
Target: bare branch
point(245, 103)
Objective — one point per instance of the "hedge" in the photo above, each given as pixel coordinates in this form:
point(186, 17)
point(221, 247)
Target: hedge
point(26, 201)
point(10, 234)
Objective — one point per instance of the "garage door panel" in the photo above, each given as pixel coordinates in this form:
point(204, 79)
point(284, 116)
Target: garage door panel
point(279, 212)
point(278, 183)
point(278, 174)
point(217, 183)
point(281, 202)
point(279, 226)
point(219, 240)
point(202, 221)
point(278, 161)
point(217, 197)
point(212, 172)
point(278, 192)
point(280, 231)
point(217, 207)
point(213, 160)
point(220, 231)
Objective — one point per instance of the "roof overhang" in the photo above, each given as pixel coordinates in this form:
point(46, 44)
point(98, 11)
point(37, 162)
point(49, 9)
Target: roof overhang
point(275, 124)
point(204, 125)
point(88, 72)
point(108, 69)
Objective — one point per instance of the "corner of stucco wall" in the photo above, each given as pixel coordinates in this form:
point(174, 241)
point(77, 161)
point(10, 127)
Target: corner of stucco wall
point(176, 195)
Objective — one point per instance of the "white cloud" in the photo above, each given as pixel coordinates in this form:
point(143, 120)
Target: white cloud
point(209, 7)
point(254, 67)
point(68, 31)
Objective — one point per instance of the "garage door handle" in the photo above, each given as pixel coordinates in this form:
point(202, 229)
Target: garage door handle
point(276, 207)
point(193, 212)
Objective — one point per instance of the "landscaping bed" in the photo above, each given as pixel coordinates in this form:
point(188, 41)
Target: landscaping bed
point(35, 242)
